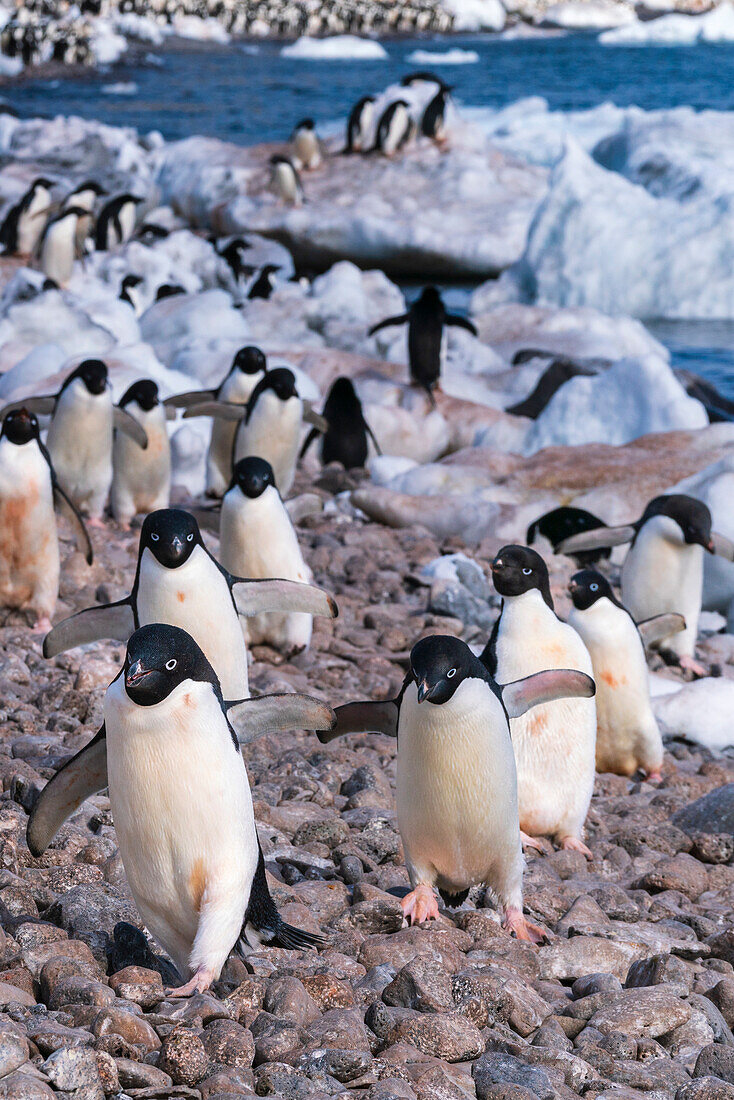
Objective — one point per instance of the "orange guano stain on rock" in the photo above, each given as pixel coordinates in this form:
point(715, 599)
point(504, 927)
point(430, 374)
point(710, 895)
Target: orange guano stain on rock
point(612, 680)
point(197, 883)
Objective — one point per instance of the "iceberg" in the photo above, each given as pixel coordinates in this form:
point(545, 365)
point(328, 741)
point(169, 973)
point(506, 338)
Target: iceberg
point(335, 49)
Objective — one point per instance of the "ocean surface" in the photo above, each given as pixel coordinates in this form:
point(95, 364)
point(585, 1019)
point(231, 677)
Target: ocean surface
point(248, 92)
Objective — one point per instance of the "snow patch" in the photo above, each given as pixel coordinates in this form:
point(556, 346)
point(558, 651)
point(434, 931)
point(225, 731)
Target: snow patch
point(335, 49)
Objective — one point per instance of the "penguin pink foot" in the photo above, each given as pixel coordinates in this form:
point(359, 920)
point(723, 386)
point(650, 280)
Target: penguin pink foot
point(690, 664)
point(420, 905)
point(200, 982)
point(516, 922)
point(42, 625)
point(96, 521)
point(573, 844)
point(532, 842)
point(654, 777)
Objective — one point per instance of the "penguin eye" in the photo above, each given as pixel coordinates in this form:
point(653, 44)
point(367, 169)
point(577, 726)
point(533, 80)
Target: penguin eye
point(451, 673)
point(170, 665)
point(594, 587)
point(527, 571)
point(190, 538)
point(154, 538)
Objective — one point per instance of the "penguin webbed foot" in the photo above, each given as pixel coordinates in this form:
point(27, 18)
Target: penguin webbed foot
point(694, 667)
point(200, 982)
point(535, 843)
point(517, 924)
point(420, 905)
point(575, 844)
point(42, 625)
point(655, 776)
point(95, 521)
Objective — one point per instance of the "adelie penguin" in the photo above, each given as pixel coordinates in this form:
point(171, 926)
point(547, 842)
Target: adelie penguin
point(359, 124)
point(181, 803)
point(116, 221)
point(433, 120)
point(129, 292)
point(663, 569)
point(177, 581)
point(347, 434)
point(456, 790)
point(141, 477)
point(25, 221)
point(84, 197)
point(286, 181)
point(248, 368)
point(306, 145)
point(426, 319)
point(395, 127)
point(29, 545)
point(555, 745)
point(58, 245)
point(560, 524)
point(270, 425)
point(627, 734)
point(264, 285)
point(80, 436)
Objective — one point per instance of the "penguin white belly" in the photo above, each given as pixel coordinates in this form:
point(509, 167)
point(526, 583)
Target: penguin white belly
point(80, 445)
point(237, 389)
point(127, 221)
point(29, 547)
point(141, 479)
point(196, 597)
point(395, 131)
point(307, 150)
point(182, 810)
point(627, 734)
point(57, 251)
point(273, 433)
point(257, 540)
point(286, 183)
point(457, 793)
point(662, 573)
point(554, 743)
point(32, 222)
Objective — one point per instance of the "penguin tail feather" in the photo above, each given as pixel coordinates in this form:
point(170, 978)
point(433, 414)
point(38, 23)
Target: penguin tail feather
point(296, 939)
point(262, 915)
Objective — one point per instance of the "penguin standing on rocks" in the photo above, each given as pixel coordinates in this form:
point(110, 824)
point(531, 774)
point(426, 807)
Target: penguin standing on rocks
point(346, 437)
point(80, 436)
point(286, 181)
point(141, 477)
point(181, 803)
point(29, 545)
point(456, 788)
point(359, 124)
point(177, 581)
point(25, 221)
point(116, 221)
point(555, 746)
point(426, 319)
point(627, 734)
point(58, 245)
point(663, 570)
point(306, 145)
point(248, 368)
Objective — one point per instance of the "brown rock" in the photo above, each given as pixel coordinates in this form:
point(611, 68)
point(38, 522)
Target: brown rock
point(641, 1013)
point(135, 983)
point(442, 1035)
point(682, 873)
point(135, 1030)
point(229, 1043)
point(183, 1057)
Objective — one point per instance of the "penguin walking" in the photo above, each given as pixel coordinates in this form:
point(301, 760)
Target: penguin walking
point(555, 746)
point(394, 128)
point(663, 569)
point(257, 539)
point(457, 790)
point(286, 181)
point(346, 437)
point(116, 221)
point(80, 436)
point(24, 223)
point(178, 581)
point(181, 803)
point(359, 124)
point(248, 368)
point(58, 245)
point(306, 145)
point(141, 477)
point(433, 119)
point(627, 734)
point(29, 545)
point(426, 319)
point(270, 425)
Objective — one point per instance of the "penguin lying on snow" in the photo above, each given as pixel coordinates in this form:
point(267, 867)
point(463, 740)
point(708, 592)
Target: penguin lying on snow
point(456, 788)
point(29, 546)
point(24, 222)
point(663, 570)
point(560, 524)
point(177, 581)
point(141, 477)
point(627, 734)
point(426, 319)
point(345, 438)
point(555, 745)
point(80, 435)
point(181, 803)
point(248, 367)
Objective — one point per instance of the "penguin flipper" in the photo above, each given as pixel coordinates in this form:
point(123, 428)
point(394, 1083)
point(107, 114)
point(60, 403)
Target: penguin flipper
point(723, 547)
point(224, 410)
point(596, 539)
point(461, 322)
point(310, 416)
point(402, 319)
point(372, 436)
point(84, 775)
point(312, 435)
point(252, 718)
point(263, 917)
point(70, 510)
point(307, 504)
point(191, 397)
point(255, 596)
point(108, 620)
point(43, 405)
point(364, 717)
point(129, 426)
point(657, 627)
point(544, 687)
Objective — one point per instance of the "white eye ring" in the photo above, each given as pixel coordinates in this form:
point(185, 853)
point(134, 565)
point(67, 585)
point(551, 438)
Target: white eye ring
point(154, 538)
point(527, 571)
point(170, 665)
point(190, 538)
point(451, 673)
point(593, 587)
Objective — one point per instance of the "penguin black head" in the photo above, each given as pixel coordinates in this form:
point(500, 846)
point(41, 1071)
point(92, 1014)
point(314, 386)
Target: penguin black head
point(518, 569)
point(305, 124)
point(588, 586)
point(438, 664)
point(419, 77)
point(692, 516)
point(160, 657)
point(90, 185)
point(430, 296)
point(252, 475)
point(342, 402)
point(281, 381)
point(168, 290)
point(131, 281)
point(249, 360)
point(20, 427)
point(144, 393)
point(41, 181)
point(171, 535)
point(93, 374)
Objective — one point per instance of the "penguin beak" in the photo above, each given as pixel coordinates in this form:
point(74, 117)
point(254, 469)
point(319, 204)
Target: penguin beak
point(497, 565)
point(424, 691)
point(711, 547)
point(135, 673)
point(177, 544)
point(573, 587)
